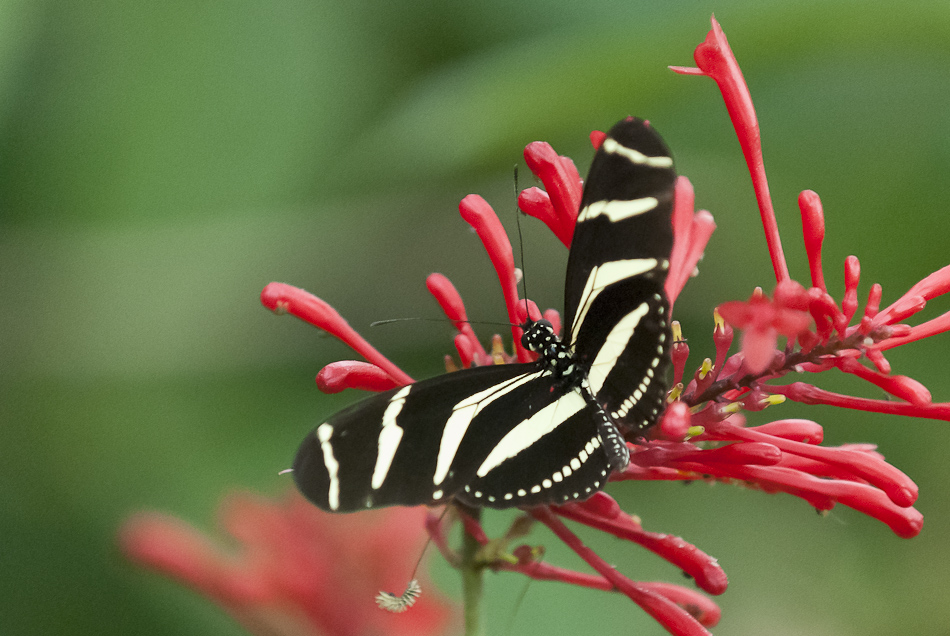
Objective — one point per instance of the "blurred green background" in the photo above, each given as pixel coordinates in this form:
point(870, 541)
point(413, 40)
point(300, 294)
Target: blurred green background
point(161, 162)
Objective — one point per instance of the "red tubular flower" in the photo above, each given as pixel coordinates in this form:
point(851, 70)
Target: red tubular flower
point(281, 298)
point(477, 213)
point(691, 232)
point(679, 353)
point(449, 299)
point(665, 610)
point(675, 422)
point(762, 321)
point(353, 374)
point(297, 571)
point(603, 513)
point(715, 59)
point(557, 207)
point(813, 224)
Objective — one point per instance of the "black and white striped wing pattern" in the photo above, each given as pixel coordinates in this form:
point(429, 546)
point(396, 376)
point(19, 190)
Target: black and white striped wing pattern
point(495, 436)
point(614, 302)
point(540, 433)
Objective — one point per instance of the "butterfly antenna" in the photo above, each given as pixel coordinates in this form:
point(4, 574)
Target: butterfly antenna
point(524, 282)
point(389, 321)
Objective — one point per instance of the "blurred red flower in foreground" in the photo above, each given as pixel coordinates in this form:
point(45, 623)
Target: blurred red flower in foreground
point(702, 434)
point(295, 570)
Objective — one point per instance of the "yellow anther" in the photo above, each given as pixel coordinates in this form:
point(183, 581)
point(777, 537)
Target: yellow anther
point(677, 331)
point(772, 400)
point(694, 431)
point(675, 393)
point(497, 350)
point(732, 407)
point(705, 368)
point(720, 323)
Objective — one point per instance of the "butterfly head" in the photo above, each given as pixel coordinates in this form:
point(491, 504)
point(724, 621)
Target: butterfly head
point(540, 338)
point(538, 335)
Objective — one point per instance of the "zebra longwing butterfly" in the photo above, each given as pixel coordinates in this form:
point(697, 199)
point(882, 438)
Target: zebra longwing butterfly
point(545, 432)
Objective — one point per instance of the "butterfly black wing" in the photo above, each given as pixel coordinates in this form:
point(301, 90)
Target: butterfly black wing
point(494, 436)
point(539, 433)
point(616, 309)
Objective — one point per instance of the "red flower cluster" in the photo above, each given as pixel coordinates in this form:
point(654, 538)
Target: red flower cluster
point(702, 434)
point(297, 571)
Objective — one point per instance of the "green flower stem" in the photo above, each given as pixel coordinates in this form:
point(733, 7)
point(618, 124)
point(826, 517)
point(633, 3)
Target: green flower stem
point(472, 582)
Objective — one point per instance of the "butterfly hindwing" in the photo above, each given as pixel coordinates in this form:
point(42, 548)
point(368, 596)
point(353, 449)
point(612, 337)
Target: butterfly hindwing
point(615, 304)
point(562, 458)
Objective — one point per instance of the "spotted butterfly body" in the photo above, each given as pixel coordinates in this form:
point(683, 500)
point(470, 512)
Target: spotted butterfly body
point(545, 432)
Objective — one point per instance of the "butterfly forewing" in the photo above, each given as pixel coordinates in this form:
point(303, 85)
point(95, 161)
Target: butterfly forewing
point(424, 442)
point(386, 449)
point(614, 299)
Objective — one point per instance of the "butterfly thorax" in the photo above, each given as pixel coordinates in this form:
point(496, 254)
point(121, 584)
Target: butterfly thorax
point(540, 338)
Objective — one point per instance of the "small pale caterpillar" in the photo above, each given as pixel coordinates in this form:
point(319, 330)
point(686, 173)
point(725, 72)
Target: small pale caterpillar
point(392, 603)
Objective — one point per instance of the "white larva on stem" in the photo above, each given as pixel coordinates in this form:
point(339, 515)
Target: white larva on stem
point(396, 604)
